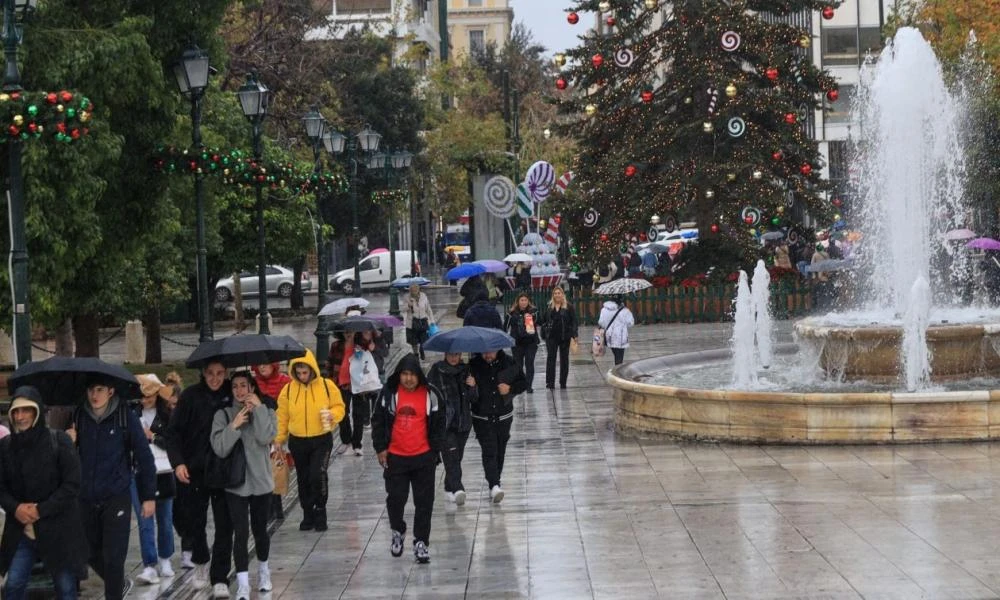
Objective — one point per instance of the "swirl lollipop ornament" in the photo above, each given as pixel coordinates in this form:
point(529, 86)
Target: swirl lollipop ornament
point(499, 195)
point(591, 217)
point(731, 41)
point(624, 58)
point(539, 180)
point(736, 127)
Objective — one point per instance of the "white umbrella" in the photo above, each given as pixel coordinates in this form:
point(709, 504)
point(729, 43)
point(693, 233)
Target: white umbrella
point(960, 234)
point(518, 257)
point(338, 307)
point(622, 286)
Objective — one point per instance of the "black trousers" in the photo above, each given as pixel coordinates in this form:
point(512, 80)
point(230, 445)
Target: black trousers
point(551, 346)
point(451, 456)
point(493, 434)
point(524, 357)
point(346, 431)
point(360, 413)
point(619, 355)
point(193, 499)
point(312, 459)
point(107, 525)
point(246, 513)
point(403, 473)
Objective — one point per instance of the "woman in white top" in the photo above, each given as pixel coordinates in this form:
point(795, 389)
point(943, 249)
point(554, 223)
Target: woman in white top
point(417, 317)
point(616, 319)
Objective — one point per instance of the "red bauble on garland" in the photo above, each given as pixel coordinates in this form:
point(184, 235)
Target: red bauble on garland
point(647, 96)
point(771, 73)
point(573, 18)
point(828, 12)
point(806, 169)
point(604, 237)
point(836, 202)
point(832, 95)
point(714, 228)
point(777, 155)
point(610, 21)
point(560, 84)
point(748, 219)
point(790, 118)
point(642, 236)
point(597, 60)
point(630, 171)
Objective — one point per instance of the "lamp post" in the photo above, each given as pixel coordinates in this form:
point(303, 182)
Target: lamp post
point(192, 79)
point(12, 33)
point(315, 127)
point(391, 163)
point(368, 140)
point(254, 99)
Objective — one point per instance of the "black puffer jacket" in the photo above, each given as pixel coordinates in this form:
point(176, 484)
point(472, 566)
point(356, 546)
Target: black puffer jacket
point(489, 401)
point(483, 314)
point(191, 426)
point(457, 397)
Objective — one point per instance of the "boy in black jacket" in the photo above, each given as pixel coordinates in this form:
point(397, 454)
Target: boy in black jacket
point(448, 378)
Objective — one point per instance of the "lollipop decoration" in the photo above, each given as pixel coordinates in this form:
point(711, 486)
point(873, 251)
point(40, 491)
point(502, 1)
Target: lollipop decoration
point(539, 180)
point(624, 58)
point(499, 196)
point(670, 223)
point(730, 41)
point(736, 127)
point(523, 204)
point(750, 215)
point(591, 217)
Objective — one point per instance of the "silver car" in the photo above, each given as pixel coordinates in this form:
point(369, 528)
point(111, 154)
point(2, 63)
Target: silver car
point(280, 281)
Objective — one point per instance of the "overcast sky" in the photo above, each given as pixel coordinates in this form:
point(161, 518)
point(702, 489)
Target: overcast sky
point(547, 21)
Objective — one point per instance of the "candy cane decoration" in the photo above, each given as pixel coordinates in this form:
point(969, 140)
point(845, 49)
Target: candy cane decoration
point(713, 95)
point(564, 181)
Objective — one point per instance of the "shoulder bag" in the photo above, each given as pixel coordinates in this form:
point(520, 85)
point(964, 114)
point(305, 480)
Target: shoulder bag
point(598, 347)
point(229, 471)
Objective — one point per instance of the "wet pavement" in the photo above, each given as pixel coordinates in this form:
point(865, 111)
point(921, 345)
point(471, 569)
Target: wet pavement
point(589, 513)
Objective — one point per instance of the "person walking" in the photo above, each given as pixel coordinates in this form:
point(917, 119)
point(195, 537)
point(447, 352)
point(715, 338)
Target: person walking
point(252, 423)
point(520, 322)
point(559, 328)
point(308, 409)
point(448, 378)
point(39, 490)
point(408, 429)
point(418, 318)
point(156, 536)
point(482, 312)
point(338, 368)
point(616, 319)
point(270, 381)
point(113, 448)
point(188, 445)
point(362, 368)
point(496, 380)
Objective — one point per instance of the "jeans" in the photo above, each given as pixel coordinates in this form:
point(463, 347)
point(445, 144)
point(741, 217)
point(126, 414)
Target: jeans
point(524, 357)
point(451, 456)
point(493, 434)
point(106, 525)
point(163, 536)
point(551, 346)
point(249, 512)
point(619, 355)
point(402, 473)
point(19, 572)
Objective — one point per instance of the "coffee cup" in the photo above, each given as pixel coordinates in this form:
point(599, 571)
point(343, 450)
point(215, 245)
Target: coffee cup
point(326, 418)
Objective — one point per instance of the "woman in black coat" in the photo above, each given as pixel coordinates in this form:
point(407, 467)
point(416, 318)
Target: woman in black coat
point(522, 323)
point(39, 490)
point(559, 327)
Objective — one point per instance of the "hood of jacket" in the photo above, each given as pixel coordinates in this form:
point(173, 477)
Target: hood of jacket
point(27, 396)
point(610, 305)
point(310, 361)
point(411, 363)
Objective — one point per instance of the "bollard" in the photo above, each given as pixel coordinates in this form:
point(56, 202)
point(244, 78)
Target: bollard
point(256, 320)
point(135, 343)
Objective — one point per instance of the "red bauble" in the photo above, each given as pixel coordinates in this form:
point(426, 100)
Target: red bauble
point(560, 84)
point(642, 237)
point(827, 12)
point(777, 155)
point(75, 134)
point(647, 96)
point(32, 128)
point(15, 96)
point(597, 60)
point(573, 18)
point(604, 237)
point(51, 98)
point(836, 202)
point(610, 21)
point(748, 219)
point(771, 73)
point(790, 118)
point(714, 228)
point(832, 95)
point(13, 130)
point(66, 96)
point(806, 169)
point(630, 171)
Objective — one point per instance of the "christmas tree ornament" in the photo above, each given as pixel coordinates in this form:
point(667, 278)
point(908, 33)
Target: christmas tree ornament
point(790, 118)
point(806, 169)
point(604, 6)
point(757, 174)
point(604, 237)
point(771, 73)
point(775, 220)
point(590, 109)
point(542, 224)
point(714, 228)
point(736, 127)
point(777, 155)
point(651, 4)
point(601, 82)
point(731, 90)
point(688, 100)
point(707, 127)
point(642, 236)
point(781, 210)
point(539, 179)
point(597, 60)
point(750, 215)
point(805, 41)
point(828, 12)
point(591, 217)
point(560, 84)
point(18, 120)
point(610, 21)
point(837, 217)
point(832, 95)
point(731, 177)
point(709, 194)
point(559, 59)
point(713, 99)
point(573, 18)
point(498, 196)
point(647, 96)
point(836, 202)
point(748, 220)
point(731, 41)
point(624, 58)
point(630, 171)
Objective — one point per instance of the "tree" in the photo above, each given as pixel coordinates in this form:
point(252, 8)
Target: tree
point(693, 117)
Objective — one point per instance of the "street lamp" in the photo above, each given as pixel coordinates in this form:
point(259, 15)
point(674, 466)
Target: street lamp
point(191, 73)
point(395, 162)
point(254, 99)
point(315, 128)
point(12, 34)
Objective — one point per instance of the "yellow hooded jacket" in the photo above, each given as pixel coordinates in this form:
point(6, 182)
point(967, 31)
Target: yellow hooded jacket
point(299, 403)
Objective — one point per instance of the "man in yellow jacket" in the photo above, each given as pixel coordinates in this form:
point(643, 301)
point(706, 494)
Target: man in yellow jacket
point(309, 407)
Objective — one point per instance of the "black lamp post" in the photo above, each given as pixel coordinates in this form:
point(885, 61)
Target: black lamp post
point(254, 99)
point(192, 79)
point(397, 161)
point(12, 33)
point(315, 127)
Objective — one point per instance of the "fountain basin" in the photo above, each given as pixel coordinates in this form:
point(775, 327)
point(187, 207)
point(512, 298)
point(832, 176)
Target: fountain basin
point(872, 353)
point(793, 417)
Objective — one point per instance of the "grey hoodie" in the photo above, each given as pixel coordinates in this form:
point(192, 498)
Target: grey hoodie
point(257, 436)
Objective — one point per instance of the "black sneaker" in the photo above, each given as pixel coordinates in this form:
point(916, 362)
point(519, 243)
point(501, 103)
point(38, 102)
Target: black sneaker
point(421, 553)
point(531, 391)
point(306, 524)
point(396, 547)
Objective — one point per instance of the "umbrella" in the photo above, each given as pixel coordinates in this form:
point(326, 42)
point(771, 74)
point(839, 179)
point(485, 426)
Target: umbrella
point(830, 264)
point(405, 282)
point(622, 286)
point(245, 350)
point(492, 266)
point(772, 235)
point(384, 320)
point(655, 248)
point(469, 339)
point(960, 234)
point(358, 323)
point(339, 307)
point(379, 251)
point(466, 270)
point(984, 244)
point(518, 257)
point(63, 380)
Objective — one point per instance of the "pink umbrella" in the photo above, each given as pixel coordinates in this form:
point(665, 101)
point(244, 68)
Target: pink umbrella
point(984, 244)
point(379, 251)
point(960, 234)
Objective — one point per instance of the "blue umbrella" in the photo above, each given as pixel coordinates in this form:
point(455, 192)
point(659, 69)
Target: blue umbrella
point(469, 339)
point(466, 270)
point(405, 282)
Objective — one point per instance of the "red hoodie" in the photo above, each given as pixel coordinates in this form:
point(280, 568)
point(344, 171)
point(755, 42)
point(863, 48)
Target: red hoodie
point(272, 385)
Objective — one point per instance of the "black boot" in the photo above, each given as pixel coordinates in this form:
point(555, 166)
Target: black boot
point(319, 519)
point(308, 520)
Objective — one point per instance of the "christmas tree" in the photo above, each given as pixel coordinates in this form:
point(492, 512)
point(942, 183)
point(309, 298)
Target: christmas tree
point(696, 110)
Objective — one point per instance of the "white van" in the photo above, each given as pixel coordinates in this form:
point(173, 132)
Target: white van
point(375, 270)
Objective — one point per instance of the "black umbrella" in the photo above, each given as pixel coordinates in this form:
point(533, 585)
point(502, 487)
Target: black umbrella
point(359, 323)
point(63, 380)
point(245, 350)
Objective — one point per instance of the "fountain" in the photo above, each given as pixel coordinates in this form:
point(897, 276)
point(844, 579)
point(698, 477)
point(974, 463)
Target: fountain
point(898, 368)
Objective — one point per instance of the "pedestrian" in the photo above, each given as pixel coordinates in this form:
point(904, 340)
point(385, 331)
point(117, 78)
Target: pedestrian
point(308, 409)
point(418, 318)
point(156, 535)
point(482, 312)
point(616, 319)
point(496, 380)
point(448, 378)
point(40, 482)
point(270, 381)
point(520, 323)
point(408, 428)
point(339, 371)
point(522, 276)
point(250, 421)
point(559, 328)
point(113, 448)
point(362, 367)
point(172, 391)
point(188, 445)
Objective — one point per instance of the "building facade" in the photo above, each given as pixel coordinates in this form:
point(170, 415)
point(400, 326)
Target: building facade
point(474, 24)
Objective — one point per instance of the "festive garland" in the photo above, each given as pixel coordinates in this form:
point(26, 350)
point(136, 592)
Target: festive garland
point(236, 168)
point(27, 115)
point(389, 196)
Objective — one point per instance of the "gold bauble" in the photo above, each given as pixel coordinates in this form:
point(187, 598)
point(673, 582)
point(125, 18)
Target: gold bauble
point(4, 97)
point(559, 59)
point(590, 109)
point(18, 120)
point(805, 41)
point(60, 108)
point(731, 90)
point(731, 177)
point(651, 4)
point(604, 6)
point(781, 210)
point(687, 100)
point(85, 116)
point(757, 174)
point(707, 127)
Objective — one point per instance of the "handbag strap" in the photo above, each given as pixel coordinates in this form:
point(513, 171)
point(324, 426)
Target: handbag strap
point(620, 308)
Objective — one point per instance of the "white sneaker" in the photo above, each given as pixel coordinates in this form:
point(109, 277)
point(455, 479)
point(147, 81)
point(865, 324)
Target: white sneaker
point(165, 569)
point(242, 592)
point(460, 497)
point(342, 448)
point(358, 452)
point(496, 494)
point(264, 579)
point(449, 496)
point(221, 590)
point(200, 576)
point(186, 562)
point(148, 576)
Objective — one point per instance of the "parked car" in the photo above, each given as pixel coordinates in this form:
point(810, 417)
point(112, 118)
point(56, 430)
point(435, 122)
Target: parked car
point(375, 270)
point(280, 281)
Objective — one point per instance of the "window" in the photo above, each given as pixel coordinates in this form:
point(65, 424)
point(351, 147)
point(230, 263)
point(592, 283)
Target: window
point(840, 111)
point(840, 44)
point(272, 271)
point(477, 40)
point(371, 262)
point(475, 3)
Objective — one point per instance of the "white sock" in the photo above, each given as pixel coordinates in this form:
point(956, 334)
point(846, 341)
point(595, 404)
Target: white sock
point(243, 579)
point(263, 566)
